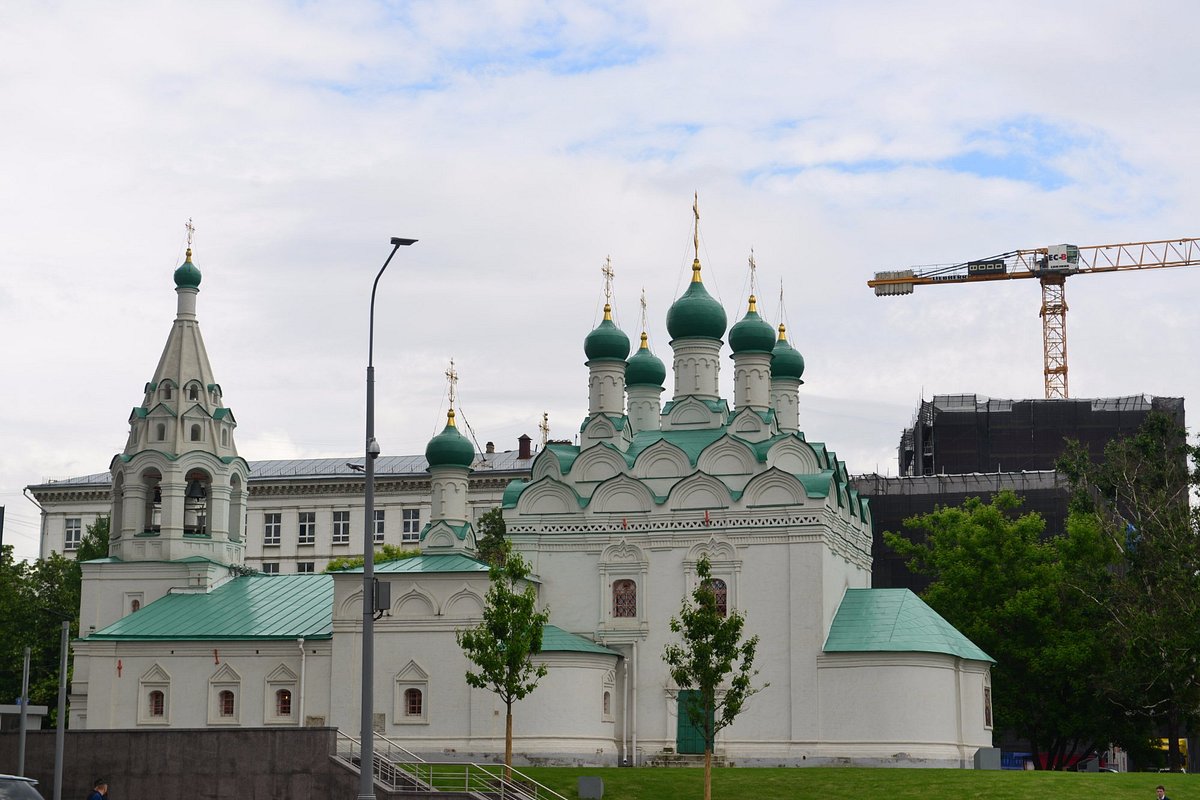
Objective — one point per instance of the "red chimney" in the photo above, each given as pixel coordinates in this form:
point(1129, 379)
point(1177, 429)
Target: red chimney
point(523, 450)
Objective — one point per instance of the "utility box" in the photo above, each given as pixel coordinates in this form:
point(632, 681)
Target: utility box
point(591, 787)
point(987, 758)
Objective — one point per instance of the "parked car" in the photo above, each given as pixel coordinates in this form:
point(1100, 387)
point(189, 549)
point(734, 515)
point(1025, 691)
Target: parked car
point(13, 787)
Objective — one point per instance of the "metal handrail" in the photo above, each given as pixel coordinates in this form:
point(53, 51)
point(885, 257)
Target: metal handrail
point(403, 771)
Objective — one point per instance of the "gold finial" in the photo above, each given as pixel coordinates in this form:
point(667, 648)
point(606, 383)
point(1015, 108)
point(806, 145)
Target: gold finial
point(645, 342)
point(450, 419)
point(696, 239)
point(782, 332)
point(608, 312)
point(753, 308)
point(191, 232)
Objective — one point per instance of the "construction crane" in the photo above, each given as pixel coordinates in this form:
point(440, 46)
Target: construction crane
point(1051, 266)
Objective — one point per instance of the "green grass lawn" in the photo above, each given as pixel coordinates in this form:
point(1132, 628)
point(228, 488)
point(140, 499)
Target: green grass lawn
point(853, 783)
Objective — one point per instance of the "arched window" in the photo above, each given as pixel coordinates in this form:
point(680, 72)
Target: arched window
point(413, 703)
point(195, 433)
point(193, 392)
point(283, 703)
point(160, 431)
point(224, 437)
point(166, 391)
point(135, 605)
point(722, 592)
point(225, 703)
point(157, 703)
point(607, 704)
point(624, 598)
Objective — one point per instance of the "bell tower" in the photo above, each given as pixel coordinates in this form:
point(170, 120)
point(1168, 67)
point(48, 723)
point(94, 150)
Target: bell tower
point(179, 486)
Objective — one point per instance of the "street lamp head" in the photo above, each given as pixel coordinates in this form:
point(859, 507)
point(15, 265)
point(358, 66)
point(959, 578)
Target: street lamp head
point(396, 240)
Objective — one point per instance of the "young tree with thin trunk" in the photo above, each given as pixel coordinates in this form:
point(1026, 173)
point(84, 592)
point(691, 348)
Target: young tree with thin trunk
point(712, 649)
point(502, 647)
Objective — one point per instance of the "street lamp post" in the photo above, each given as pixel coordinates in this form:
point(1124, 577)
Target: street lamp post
point(366, 765)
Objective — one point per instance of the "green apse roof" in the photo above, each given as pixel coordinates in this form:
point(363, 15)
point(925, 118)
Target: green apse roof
point(752, 334)
point(449, 448)
point(187, 276)
point(607, 342)
point(644, 368)
point(895, 620)
point(696, 314)
point(786, 361)
point(556, 640)
point(253, 607)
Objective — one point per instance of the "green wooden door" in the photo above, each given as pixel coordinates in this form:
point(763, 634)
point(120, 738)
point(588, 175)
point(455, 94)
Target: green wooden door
point(688, 737)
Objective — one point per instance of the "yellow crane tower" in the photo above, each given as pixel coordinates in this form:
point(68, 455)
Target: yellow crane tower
point(1051, 266)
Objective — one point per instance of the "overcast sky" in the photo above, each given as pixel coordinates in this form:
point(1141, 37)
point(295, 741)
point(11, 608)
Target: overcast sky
point(522, 143)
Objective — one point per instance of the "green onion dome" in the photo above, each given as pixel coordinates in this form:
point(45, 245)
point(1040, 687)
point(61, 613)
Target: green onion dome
point(187, 276)
point(644, 368)
point(696, 314)
point(786, 361)
point(607, 342)
point(449, 448)
point(752, 334)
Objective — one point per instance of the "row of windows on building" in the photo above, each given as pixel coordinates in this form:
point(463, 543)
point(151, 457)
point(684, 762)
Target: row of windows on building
point(306, 527)
point(166, 391)
point(624, 597)
point(195, 433)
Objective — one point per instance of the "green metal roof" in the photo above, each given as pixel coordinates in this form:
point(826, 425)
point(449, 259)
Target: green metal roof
point(431, 562)
point(557, 640)
point(895, 621)
point(253, 607)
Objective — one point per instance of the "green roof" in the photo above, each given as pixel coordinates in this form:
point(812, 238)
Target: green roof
point(556, 640)
point(895, 621)
point(252, 607)
point(431, 562)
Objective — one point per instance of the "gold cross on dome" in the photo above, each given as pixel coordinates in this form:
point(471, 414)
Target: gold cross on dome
point(452, 377)
point(608, 273)
point(191, 232)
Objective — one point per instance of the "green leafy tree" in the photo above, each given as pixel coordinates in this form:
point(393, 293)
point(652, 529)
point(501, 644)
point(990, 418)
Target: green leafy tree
point(95, 541)
point(490, 542)
point(1010, 591)
point(712, 650)
point(502, 647)
point(386, 553)
point(1137, 498)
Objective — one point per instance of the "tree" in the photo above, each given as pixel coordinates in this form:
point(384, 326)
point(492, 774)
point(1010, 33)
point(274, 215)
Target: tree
point(386, 553)
point(95, 541)
point(502, 647)
point(1010, 592)
point(711, 650)
point(490, 542)
point(1138, 499)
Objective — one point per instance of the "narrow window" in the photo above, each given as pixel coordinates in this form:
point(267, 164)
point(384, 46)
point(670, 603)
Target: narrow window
point(157, 703)
point(283, 703)
point(379, 517)
point(411, 528)
point(413, 706)
point(73, 533)
point(166, 391)
point(135, 605)
point(193, 392)
point(722, 592)
point(160, 432)
point(225, 702)
point(607, 704)
point(624, 598)
point(341, 527)
point(224, 437)
point(195, 433)
point(307, 533)
point(272, 525)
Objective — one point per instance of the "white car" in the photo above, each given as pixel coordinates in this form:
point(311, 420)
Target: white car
point(14, 787)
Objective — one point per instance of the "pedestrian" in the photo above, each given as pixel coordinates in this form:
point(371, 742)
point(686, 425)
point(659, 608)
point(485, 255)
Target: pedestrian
point(1161, 792)
point(99, 790)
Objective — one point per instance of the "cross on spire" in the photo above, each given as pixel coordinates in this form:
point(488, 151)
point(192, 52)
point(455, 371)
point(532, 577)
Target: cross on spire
point(643, 302)
point(753, 274)
point(608, 273)
point(696, 229)
point(452, 378)
point(191, 232)
point(544, 427)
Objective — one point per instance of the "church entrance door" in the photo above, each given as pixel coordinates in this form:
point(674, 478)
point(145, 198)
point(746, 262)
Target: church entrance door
point(689, 739)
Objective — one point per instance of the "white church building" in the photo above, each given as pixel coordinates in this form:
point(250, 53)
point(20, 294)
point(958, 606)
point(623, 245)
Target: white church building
point(179, 631)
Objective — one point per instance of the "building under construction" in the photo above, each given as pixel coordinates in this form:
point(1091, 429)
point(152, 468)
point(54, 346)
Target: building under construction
point(962, 446)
